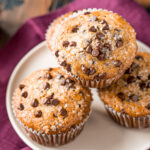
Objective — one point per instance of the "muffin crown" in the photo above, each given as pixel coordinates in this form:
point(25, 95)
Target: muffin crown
point(93, 44)
point(49, 101)
point(131, 93)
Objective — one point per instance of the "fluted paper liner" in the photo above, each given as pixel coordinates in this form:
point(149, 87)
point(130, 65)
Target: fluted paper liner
point(128, 121)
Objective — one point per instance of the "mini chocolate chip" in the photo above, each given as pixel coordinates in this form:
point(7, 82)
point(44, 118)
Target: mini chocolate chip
point(71, 85)
point(117, 63)
point(95, 53)
point(131, 79)
point(65, 43)
point(75, 29)
point(119, 43)
point(100, 76)
point(68, 80)
point(92, 29)
point(148, 84)
point(147, 106)
point(63, 112)
point(106, 27)
point(93, 18)
point(73, 44)
point(121, 96)
point(86, 13)
point(100, 36)
point(75, 11)
point(85, 69)
point(68, 67)
point(89, 49)
point(25, 94)
point(139, 57)
point(21, 86)
point(92, 71)
point(48, 76)
point(139, 77)
point(54, 115)
point(149, 77)
point(102, 57)
point(57, 53)
point(34, 103)
point(46, 86)
point(50, 69)
point(134, 97)
point(21, 106)
point(143, 85)
point(64, 64)
point(48, 101)
point(55, 102)
point(108, 46)
point(38, 114)
point(99, 47)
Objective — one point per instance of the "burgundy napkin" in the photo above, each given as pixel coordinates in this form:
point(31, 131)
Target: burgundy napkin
point(32, 33)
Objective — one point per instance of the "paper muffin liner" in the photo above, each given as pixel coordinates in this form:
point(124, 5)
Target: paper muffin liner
point(54, 139)
point(128, 121)
point(102, 83)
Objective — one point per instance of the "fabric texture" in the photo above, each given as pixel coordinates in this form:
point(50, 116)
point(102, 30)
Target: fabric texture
point(33, 32)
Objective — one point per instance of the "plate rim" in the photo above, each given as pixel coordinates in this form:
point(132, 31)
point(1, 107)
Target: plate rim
point(8, 91)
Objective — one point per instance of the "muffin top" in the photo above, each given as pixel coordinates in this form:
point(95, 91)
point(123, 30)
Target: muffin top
point(49, 101)
point(131, 93)
point(92, 44)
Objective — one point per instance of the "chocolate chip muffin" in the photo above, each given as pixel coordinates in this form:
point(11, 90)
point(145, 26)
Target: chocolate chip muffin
point(51, 106)
point(94, 46)
point(128, 100)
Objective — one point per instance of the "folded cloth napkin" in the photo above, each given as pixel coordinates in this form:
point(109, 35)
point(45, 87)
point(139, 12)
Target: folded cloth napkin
point(32, 33)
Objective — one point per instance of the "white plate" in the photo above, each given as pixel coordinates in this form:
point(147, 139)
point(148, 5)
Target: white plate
point(100, 131)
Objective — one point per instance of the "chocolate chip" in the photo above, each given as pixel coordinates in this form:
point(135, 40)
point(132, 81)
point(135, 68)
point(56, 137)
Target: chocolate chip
point(38, 114)
point(117, 63)
point(50, 69)
point(73, 44)
point(21, 86)
point(75, 11)
point(92, 71)
point(148, 84)
point(102, 57)
point(25, 94)
point(55, 102)
point(46, 86)
point(121, 96)
point(131, 79)
point(21, 106)
point(65, 43)
point(86, 13)
point(139, 57)
point(54, 115)
point(105, 27)
point(75, 29)
point(34, 103)
point(85, 69)
point(119, 43)
point(57, 53)
point(100, 76)
point(48, 101)
point(139, 77)
point(68, 67)
point(143, 85)
point(95, 53)
point(93, 18)
point(100, 36)
point(64, 64)
point(89, 49)
point(68, 80)
point(108, 46)
point(149, 77)
point(92, 29)
point(147, 106)
point(63, 112)
point(99, 47)
point(48, 76)
point(134, 98)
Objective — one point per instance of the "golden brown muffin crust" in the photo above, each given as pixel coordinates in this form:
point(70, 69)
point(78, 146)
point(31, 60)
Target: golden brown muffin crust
point(93, 44)
point(49, 101)
point(131, 93)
